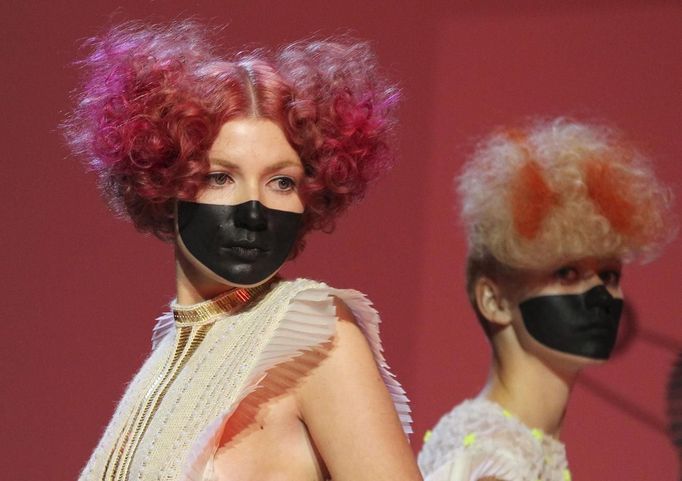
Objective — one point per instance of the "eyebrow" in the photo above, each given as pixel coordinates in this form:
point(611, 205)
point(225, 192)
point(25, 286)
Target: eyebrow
point(283, 165)
point(223, 162)
point(277, 166)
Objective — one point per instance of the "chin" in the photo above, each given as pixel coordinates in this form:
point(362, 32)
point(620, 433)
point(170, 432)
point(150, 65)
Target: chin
point(570, 364)
point(562, 362)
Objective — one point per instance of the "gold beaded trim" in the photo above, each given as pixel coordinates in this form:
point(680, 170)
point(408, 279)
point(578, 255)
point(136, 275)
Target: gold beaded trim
point(120, 459)
point(189, 338)
point(219, 305)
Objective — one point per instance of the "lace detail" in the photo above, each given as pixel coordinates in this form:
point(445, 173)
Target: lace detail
point(478, 438)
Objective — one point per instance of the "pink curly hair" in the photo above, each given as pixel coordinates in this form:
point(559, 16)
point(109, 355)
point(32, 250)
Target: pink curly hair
point(155, 97)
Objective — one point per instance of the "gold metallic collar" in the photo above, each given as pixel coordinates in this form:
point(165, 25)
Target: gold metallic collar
point(222, 304)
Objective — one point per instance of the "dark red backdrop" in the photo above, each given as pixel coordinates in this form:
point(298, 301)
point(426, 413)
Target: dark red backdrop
point(82, 290)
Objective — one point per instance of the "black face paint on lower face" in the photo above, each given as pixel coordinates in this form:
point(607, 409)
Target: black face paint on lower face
point(242, 244)
point(582, 324)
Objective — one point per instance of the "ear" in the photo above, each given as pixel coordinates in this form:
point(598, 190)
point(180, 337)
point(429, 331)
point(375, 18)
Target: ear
point(491, 303)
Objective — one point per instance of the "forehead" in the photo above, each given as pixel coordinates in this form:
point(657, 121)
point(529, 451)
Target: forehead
point(522, 281)
point(581, 264)
point(590, 263)
point(251, 139)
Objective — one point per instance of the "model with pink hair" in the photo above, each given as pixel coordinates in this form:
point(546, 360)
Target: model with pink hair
point(234, 160)
point(552, 211)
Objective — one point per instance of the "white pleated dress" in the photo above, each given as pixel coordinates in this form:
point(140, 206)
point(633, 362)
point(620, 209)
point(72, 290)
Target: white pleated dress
point(480, 439)
point(170, 420)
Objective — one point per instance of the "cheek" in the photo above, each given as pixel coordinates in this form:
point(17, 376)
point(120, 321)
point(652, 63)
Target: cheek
point(522, 335)
point(569, 363)
point(296, 203)
point(615, 291)
point(559, 288)
point(289, 203)
point(527, 342)
point(221, 196)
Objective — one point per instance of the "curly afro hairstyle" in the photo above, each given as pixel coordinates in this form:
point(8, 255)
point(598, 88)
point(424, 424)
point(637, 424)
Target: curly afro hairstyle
point(558, 190)
point(155, 96)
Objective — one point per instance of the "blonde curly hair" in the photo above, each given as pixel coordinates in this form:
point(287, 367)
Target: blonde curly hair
point(560, 190)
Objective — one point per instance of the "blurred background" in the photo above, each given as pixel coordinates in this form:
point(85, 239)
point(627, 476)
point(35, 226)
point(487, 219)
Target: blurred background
point(82, 289)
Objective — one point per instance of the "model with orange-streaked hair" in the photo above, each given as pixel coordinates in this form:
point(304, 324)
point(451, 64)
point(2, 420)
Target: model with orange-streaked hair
point(552, 211)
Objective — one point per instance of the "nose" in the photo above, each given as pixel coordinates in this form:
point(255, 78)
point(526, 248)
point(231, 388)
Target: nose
point(609, 285)
point(598, 296)
point(592, 279)
point(250, 215)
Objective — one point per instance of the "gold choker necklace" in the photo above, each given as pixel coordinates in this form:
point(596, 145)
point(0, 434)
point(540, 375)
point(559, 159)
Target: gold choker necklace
point(222, 304)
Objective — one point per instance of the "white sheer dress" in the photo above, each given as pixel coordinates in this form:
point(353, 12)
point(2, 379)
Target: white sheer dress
point(479, 439)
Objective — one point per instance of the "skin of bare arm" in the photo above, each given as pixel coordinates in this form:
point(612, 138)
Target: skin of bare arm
point(350, 414)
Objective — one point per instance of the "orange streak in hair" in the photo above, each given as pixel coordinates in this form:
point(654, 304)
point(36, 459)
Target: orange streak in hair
point(516, 135)
point(531, 200)
point(520, 138)
point(604, 187)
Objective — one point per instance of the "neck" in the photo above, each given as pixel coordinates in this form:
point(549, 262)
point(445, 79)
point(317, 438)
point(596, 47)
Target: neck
point(528, 388)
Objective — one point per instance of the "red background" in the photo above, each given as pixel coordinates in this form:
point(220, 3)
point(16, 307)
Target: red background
point(82, 290)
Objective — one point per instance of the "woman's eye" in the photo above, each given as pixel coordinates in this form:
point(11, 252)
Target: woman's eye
point(217, 179)
point(610, 277)
point(284, 184)
point(566, 274)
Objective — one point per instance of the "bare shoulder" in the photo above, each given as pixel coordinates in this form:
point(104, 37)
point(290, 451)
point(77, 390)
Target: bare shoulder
point(349, 338)
point(348, 360)
point(349, 412)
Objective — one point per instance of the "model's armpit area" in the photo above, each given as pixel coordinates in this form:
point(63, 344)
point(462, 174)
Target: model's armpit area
point(343, 312)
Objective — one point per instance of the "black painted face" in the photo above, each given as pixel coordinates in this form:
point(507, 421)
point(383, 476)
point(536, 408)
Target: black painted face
point(581, 324)
point(243, 244)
